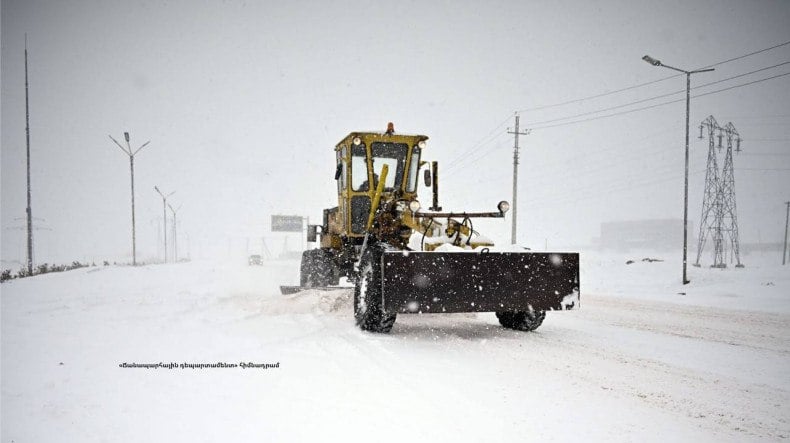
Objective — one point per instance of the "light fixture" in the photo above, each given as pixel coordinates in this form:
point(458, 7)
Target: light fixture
point(651, 60)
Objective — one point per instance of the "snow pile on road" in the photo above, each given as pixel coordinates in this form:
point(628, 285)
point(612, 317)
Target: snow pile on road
point(763, 284)
point(638, 362)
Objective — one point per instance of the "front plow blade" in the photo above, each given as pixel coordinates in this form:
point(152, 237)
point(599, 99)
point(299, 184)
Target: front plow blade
point(437, 282)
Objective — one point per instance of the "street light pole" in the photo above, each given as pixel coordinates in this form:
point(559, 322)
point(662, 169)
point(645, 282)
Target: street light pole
point(787, 221)
point(655, 62)
point(29, 209)
point(128, 151)
point(164, 215)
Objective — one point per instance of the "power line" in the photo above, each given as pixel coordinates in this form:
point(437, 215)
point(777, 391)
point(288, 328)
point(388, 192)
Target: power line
point(604, 192)
point(465, 155)
point(748, 55)
point(461, 156)
point(538, 108)
point(594, 155)
point(482, 153)
point(658, 104)
point(763, 169)
point(568, 102)
point(598, 164)
point(657, 96)
point(742, 85)
point(583, 178)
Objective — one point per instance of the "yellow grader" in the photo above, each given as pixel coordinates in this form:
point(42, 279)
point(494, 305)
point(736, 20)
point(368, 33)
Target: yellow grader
point(404, 260)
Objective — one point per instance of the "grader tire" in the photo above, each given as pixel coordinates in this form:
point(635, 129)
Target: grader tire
point(521, 320)
point(368, 313)
point(317, 269)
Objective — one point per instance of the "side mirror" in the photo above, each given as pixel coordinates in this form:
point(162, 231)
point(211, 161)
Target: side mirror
point(312, 233)
point(338, 171)
point(427, 177)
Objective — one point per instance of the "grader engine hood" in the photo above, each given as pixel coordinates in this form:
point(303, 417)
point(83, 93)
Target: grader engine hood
point(446, 282)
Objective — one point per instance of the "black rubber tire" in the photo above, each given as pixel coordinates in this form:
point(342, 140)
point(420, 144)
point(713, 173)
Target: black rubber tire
point(317, 269)
point(368, 312)
point(521, 320)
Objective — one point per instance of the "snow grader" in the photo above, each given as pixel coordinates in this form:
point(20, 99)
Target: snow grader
point(405, 260)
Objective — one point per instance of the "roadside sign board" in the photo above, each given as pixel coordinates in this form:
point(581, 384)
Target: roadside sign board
point(286, 223)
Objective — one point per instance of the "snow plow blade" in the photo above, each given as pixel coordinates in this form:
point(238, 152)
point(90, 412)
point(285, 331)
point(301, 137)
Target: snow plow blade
point(439, 282)
point(287, 290)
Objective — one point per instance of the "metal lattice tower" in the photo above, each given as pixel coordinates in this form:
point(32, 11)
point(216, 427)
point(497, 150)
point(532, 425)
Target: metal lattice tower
point(729, 216)
point(709, 222)
point(719, 212)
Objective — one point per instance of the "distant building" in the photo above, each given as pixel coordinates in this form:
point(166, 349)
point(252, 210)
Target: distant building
point(661, 234)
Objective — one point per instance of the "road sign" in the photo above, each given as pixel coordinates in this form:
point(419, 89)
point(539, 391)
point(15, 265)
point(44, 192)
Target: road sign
point(286, 223)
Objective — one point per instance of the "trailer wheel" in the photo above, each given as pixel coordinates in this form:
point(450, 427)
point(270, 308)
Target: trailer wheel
point(317, 269)
point(368, 312)
point(521, 320)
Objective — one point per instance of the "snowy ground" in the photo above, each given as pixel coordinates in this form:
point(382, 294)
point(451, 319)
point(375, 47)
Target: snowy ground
point(638, 362)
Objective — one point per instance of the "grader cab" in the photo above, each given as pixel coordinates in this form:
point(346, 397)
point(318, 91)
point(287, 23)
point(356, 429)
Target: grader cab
point(403, 259)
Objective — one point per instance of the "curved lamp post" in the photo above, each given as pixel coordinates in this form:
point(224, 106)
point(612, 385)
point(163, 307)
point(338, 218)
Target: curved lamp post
point(655, 62)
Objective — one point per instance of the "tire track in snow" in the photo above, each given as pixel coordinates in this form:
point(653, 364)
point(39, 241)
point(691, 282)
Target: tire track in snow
point(721, 404)
point(757, 330)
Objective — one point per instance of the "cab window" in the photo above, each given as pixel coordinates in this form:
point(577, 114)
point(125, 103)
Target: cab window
point(411, 186)
point(341, 160)
point(359, 168)
point(394, 156)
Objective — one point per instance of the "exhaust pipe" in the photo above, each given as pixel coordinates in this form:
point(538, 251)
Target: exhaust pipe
point(435, 168)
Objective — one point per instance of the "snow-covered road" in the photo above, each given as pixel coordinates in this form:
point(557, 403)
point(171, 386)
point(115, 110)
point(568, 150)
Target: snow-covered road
point(638, 362)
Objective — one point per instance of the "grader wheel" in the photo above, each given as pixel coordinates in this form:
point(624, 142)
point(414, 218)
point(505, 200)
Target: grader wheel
point(368, 312)
point(318, 269)
point(521, 320)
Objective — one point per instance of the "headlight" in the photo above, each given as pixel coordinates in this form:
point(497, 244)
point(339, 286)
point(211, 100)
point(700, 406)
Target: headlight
point(503, 206)
point(421, 144)
point(414, 205)
point(357, 141)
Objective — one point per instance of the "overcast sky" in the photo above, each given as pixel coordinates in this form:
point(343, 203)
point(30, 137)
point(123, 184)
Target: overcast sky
point(244, 101)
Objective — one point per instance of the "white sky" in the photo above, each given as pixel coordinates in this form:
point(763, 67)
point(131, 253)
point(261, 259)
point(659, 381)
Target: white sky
point(243, 103)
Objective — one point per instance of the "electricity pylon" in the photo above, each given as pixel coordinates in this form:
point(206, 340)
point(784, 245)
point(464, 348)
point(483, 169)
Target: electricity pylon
point(719, 211)
point(728, 214)
point(710, 202)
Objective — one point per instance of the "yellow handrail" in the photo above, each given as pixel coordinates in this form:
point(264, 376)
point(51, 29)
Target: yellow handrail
point(377, 196)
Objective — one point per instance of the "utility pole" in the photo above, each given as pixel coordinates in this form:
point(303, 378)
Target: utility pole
point(175, 231)
point(164, 216)
point(516, 133)
point(29, 209)
point(787, 219)
point(128, 151)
